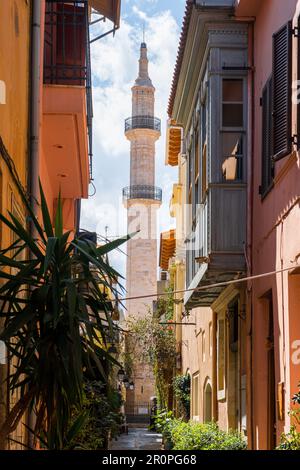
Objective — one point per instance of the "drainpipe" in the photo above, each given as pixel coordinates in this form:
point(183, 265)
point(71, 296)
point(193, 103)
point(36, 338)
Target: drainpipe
point(37, 6)
point(35, 111)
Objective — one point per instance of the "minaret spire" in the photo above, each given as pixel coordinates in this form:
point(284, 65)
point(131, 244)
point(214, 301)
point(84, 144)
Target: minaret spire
point(143, 78)
point(143, 68)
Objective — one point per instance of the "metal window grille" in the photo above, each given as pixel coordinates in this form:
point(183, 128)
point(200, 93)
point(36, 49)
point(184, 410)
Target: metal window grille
point(67, 58)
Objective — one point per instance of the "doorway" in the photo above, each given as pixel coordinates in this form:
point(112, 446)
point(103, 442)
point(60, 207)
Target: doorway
point(207, 402)
point(271, 396)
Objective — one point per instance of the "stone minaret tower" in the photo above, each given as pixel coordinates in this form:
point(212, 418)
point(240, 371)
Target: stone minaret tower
point(142, 200)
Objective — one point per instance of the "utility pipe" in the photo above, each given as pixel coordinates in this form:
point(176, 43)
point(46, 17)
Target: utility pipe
point(37, 13)
point(35, 105)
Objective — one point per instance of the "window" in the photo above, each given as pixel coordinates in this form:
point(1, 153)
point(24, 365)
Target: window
point(66, 45)
point(268, 342)
point(204, 151)
point(196, 156)
point(267, 151)
point(196, 171)
point(221, 359)
point(233, 103)
point(195, 395)
point(210, 339)
point(232, 148)
point(232, 123)
point(282, 91)
point(207, 402)
point(189, 188)
point(204, 173)
point(234, 326)
point(203, 345)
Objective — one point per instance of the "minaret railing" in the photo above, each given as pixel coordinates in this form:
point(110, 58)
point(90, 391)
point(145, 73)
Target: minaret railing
point(142, 192)
point(143, 122)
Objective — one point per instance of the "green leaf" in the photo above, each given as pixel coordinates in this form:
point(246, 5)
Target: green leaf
point(82, 247)
point(59, 218)
point(17, 323)
point(77, 426)
point(24, 235)
point(72, 299)
point(104, 249)
point(51, 244)
point(6, 261)
point(45, 214)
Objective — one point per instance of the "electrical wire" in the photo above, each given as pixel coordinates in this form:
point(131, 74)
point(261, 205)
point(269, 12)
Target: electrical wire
point(108, 240)
point(210, 286)
point(94, 188)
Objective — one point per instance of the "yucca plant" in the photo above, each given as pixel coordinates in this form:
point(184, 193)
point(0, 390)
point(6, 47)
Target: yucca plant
point(54, 329)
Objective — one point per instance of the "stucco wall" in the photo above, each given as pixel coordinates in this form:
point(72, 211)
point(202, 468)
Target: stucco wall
point(14, 118)
point(275, 242)
point(194, 359)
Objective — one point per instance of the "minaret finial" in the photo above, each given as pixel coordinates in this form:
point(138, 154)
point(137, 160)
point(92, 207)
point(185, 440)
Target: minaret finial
point(144, 31)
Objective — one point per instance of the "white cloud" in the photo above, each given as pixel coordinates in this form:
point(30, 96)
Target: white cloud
point(115, 67)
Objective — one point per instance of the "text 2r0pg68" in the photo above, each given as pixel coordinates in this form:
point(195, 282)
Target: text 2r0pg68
point(167, 459)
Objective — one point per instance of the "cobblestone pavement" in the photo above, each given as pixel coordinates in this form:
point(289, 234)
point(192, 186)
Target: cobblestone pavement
point(137, 439)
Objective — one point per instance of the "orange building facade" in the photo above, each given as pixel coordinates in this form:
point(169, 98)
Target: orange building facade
point(45, 117)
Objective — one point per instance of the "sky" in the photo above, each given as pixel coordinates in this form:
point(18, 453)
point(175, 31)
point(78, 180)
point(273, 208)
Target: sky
point(115, 68)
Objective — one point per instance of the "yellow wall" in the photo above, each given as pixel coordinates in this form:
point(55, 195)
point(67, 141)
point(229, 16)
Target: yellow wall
point(14, 131)
point(177, 268)
point(14, 72)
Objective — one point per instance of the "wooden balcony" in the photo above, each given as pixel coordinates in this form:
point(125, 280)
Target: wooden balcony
point(215, 248)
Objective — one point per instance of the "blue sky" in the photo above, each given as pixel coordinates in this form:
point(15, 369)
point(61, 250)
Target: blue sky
point(115, 67)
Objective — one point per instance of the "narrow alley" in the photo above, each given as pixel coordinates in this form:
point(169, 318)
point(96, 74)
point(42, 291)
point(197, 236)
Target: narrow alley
point(137, 439)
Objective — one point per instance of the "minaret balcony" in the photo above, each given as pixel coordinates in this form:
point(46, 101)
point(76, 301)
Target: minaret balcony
point(142, 192)
point(143, 122)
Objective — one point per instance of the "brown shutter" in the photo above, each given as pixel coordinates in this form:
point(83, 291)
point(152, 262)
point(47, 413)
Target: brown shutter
point(282, 91)
point(267, 147)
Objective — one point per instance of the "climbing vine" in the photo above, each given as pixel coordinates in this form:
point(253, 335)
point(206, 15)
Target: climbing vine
point(182, 392)
point(152, 337)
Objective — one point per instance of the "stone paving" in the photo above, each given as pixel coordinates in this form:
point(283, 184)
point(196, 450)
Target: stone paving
point(137, 439)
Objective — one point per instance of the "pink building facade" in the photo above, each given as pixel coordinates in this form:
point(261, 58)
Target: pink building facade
point(273, 240)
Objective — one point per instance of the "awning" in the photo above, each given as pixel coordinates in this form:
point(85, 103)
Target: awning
point(174, 137)
point(111, 9)
point(167, 248)
point(175, 199)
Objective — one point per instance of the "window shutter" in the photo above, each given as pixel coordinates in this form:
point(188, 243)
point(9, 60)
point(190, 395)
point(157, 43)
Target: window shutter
point(267, 147)
point(282, 91)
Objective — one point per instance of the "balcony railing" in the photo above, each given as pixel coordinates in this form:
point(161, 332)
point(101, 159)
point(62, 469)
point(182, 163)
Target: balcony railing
point(67, 59)
point(142, 192)
point(142, 122)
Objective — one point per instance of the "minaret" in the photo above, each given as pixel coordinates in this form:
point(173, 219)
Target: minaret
point(142, 200)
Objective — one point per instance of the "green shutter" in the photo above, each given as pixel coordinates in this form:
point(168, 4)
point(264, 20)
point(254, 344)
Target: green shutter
point(282, 91)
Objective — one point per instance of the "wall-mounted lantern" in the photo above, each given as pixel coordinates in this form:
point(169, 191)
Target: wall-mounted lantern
point(131, 385)
point(121, 375)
